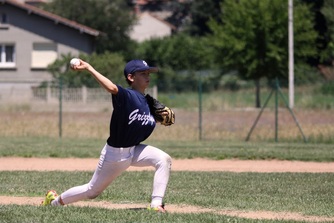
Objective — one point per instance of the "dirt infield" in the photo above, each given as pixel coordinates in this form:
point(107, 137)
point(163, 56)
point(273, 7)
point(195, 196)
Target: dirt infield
point(198, 164)
point(50, 164)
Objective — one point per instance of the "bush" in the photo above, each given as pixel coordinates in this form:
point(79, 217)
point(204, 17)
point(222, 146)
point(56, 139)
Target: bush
point(327, 88)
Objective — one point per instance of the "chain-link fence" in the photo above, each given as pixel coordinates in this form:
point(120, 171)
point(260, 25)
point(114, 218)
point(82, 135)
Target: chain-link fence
point(48, 98)
point(228, 116)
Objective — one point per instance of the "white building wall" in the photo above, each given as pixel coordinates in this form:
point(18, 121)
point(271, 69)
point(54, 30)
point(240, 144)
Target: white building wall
point(149, 27)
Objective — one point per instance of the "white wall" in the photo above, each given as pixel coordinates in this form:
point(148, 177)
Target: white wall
point(149, 27)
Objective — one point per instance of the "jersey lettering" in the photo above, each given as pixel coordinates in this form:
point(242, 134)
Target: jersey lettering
point(145, 119)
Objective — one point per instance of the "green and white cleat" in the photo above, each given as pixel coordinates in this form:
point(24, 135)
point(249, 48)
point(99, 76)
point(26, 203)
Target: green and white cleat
point(49, 197)
point(160, 209)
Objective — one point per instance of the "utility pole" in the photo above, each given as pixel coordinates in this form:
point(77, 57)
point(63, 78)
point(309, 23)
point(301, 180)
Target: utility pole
point(291, 56)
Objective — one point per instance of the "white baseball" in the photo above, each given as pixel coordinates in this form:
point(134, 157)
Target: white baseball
point(75, 62)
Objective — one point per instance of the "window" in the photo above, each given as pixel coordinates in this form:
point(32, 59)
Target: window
point(7, 55)
point(3, 19)
point(43, 54)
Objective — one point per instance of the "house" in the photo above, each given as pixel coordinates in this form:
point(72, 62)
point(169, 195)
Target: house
point(149, 26)
point(31, 39)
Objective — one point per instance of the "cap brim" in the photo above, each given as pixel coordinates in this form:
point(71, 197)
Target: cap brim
point(150, 69)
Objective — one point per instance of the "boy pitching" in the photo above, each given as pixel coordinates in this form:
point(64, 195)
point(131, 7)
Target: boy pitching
point(130, 124)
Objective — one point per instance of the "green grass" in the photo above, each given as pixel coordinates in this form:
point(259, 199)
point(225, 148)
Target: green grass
point(90, 148)
point(306, 193)
point(15, 213)
point(50, 147)
point(306, 97)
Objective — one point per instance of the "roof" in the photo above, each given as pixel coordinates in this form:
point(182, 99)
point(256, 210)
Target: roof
point(163, 21)
point(150, 26)
point(57, 19)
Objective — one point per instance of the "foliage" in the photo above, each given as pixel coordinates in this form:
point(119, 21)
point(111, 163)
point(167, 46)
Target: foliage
point(179, 14)
point(252, 37)
point(305, 75)
point(109, 64)
point(327, 11)
point(327, 88)
point(201, 11)
point(191, 17)
point(179, 58)
point(246, 36)
point(181, 52)
point(111, 17)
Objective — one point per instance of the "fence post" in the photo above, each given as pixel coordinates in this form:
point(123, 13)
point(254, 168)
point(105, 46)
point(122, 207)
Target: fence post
point(84, 94)
point(155, 91)
point(48, 94)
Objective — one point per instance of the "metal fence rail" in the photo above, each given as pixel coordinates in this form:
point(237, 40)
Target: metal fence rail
point(50, 95)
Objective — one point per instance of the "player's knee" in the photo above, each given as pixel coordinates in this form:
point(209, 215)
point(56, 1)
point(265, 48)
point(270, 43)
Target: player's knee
point(92, 194)
point(168, 160)
point(165, 161)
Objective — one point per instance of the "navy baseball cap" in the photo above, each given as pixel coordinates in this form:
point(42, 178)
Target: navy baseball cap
point(137, 65)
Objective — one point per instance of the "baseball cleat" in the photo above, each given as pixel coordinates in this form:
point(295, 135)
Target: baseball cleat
point(160, 209)
point(49, 197)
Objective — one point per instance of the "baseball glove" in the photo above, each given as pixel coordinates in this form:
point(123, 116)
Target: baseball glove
point(160, 112)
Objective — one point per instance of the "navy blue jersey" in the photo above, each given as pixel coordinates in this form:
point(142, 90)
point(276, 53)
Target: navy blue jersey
point(131, 121)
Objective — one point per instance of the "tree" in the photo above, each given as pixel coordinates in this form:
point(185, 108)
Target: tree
point(327, 11)
point(114, 18)
point(109, 64)
point(179, 58)
point(251, 37)
point(201, 11)
point(191, 16)
point(327, 55)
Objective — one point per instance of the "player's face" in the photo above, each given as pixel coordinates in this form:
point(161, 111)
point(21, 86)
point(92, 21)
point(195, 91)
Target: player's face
point(141, 79)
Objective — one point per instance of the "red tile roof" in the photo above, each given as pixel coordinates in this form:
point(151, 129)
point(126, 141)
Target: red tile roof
point(57, 19)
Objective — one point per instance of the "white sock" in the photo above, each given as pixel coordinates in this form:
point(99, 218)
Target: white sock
point(56, 202)
point(156, 201)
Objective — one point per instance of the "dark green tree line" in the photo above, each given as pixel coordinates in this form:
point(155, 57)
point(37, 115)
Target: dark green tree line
point(114, 18)
point(252, 38)
point(180, 57)
point(328, 11)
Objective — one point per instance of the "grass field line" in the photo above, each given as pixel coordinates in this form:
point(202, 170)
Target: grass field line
point(186, 209)
point(198, 164)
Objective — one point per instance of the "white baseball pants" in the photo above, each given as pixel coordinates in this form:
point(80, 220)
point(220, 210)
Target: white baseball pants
point(114, 161)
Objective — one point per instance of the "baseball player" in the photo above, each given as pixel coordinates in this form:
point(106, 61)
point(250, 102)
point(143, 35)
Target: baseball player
point(131, 123)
